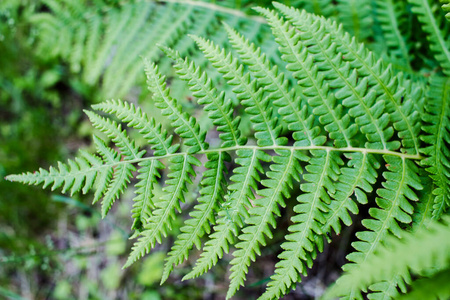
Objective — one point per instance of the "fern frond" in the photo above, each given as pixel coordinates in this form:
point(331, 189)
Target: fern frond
point(355, 180)
point(102, 42)
point(432, 24)
point(110, 158)
point(423, 209)
point(282, 172)
point(135, 117)
point(115, 178)
point(389, 288)
point(92, 44)
point(300, 245)
point(274, 83)
point(140, 16)
point(352, 90)
point(250, 95)
point(356, 17)
point(48, 26)
point(70, 176)
point(437, 138)
point(120, 180)
point(181, 172)
point(219, 109)
point(234, 210)
point(434, 287)
point(205, 22)
point(392, 15)
point(143, 202)
point(212, 193)
point(393, 201)
point(84, 172)
point(184, 125)
point(325, 114)
point(431, 244)
point(167, 35)
point(76, 55)
point(119, 137)
point(350, 67)
point(302, 66)
point(118, 20)
point(56, 31)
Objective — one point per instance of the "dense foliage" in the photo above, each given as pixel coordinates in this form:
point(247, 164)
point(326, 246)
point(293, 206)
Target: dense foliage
point(348, 111)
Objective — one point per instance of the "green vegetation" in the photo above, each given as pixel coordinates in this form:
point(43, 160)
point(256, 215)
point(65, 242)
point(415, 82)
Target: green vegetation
point(278, 133)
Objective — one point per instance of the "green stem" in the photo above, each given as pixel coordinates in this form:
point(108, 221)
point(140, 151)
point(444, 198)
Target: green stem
point(215, 7)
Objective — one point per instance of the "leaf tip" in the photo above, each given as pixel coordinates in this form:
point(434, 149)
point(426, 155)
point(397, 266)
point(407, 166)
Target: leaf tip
point(165, 276)
point(128, 263)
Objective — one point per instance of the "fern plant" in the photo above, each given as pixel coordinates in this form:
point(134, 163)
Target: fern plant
point(101, 42)
point(337, 122)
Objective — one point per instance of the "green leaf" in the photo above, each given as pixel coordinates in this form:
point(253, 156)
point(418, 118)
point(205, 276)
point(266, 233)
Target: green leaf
point(184, 125)
point(212, 193)
point(284, 169)
point(430, 244)
point(158, 224)
point(432, 23)
point(300, 243)
point(219, 109)
point(234, 210)
point(143, 202)
point(437, 138)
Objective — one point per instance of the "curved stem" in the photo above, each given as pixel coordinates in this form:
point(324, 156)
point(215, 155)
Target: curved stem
point(215, 7)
